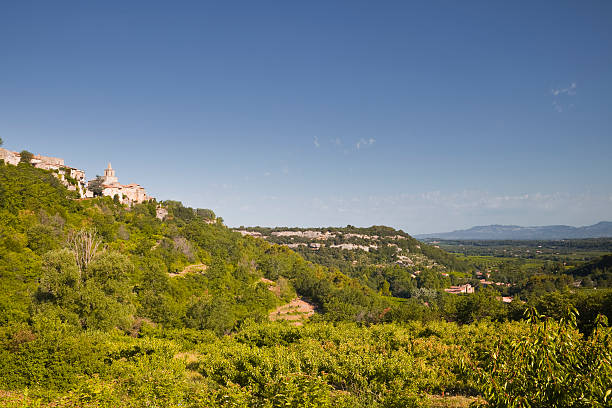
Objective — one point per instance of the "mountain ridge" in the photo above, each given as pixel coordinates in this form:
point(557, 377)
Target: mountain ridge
point(602, 229)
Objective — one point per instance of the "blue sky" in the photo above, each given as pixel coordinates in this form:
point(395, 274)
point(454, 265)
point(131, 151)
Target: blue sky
point(426, 116)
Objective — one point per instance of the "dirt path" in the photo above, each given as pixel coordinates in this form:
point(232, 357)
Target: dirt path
point(196, 268)
point(296, 312)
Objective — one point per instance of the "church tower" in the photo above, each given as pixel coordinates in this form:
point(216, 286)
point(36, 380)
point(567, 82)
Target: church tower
point(109, 176)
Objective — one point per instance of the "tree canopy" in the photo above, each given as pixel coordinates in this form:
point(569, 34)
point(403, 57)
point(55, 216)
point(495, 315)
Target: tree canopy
point(26, 157)
point(96, 186)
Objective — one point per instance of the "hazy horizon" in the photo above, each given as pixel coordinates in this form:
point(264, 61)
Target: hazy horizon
point(426, 117)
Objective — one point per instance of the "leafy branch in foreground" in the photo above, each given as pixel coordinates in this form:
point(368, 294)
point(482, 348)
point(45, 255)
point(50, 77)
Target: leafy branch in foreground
point(551, 366)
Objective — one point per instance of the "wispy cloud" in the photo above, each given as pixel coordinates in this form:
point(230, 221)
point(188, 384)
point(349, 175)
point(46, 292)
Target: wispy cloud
point(570, 90)
point(560, 96)
point(364, 142)
point(316, 142)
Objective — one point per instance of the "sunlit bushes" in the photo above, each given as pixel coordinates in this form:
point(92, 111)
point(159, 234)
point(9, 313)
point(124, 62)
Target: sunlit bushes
point(550, 365)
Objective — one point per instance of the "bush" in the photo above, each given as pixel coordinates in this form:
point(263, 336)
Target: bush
point(552, 365)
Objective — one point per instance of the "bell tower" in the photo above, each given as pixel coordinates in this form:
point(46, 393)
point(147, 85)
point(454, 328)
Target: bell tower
point(109, 175)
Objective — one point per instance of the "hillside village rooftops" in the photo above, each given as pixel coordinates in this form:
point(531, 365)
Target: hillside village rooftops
point(128, 193)
point(55, 164)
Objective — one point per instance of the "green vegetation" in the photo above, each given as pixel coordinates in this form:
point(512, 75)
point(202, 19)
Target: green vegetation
point(569, 251)
point(96, 186)
point(597, 273)
point(105, 305)
point(25, 156)
point(41, 218)
point(394, 263)
point(551, 365)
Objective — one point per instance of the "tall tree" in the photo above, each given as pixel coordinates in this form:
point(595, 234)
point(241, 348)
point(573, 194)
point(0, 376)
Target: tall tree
point(99, 297)
point(26, 157)
point(96, 186)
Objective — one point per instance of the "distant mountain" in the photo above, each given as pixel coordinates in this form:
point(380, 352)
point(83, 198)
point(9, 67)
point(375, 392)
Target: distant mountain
point(490, 232)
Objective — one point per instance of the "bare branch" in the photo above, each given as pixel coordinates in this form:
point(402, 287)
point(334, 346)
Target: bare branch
point(84, 244)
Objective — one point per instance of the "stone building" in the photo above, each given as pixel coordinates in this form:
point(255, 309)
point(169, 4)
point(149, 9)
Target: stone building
point(47, 163)
point(73, 179)
point(109, 176)
point(467, 288)
point(128, 194)
point(9, 156)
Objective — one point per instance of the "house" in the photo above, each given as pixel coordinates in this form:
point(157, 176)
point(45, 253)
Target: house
point(467, 288)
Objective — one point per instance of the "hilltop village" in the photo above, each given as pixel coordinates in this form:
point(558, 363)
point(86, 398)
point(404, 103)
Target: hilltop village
point(74, 179)
point(128, 193)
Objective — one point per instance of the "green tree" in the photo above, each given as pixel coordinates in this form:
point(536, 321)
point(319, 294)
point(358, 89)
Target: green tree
point(385, 289)
point(26, 157)
point(215, 314)
point(107, 299)
point(99, 297)
point(61, 275)
point(96, 186)
point(153, 293)
point(484, 303)
point(205, 213)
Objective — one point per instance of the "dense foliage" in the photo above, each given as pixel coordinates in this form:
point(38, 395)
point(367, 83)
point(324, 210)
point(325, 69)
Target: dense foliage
point(108, 305)
point(145, 258)
point(549, 366)
point(388, 261)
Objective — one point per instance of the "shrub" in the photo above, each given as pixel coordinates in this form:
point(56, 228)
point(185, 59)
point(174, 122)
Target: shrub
point(552, 365)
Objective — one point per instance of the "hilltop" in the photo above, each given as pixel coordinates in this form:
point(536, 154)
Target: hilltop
point(74, 179)
point(551, 232)
point(387, 260)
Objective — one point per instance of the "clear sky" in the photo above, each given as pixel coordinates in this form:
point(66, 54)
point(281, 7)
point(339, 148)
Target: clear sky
point(426, 116)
